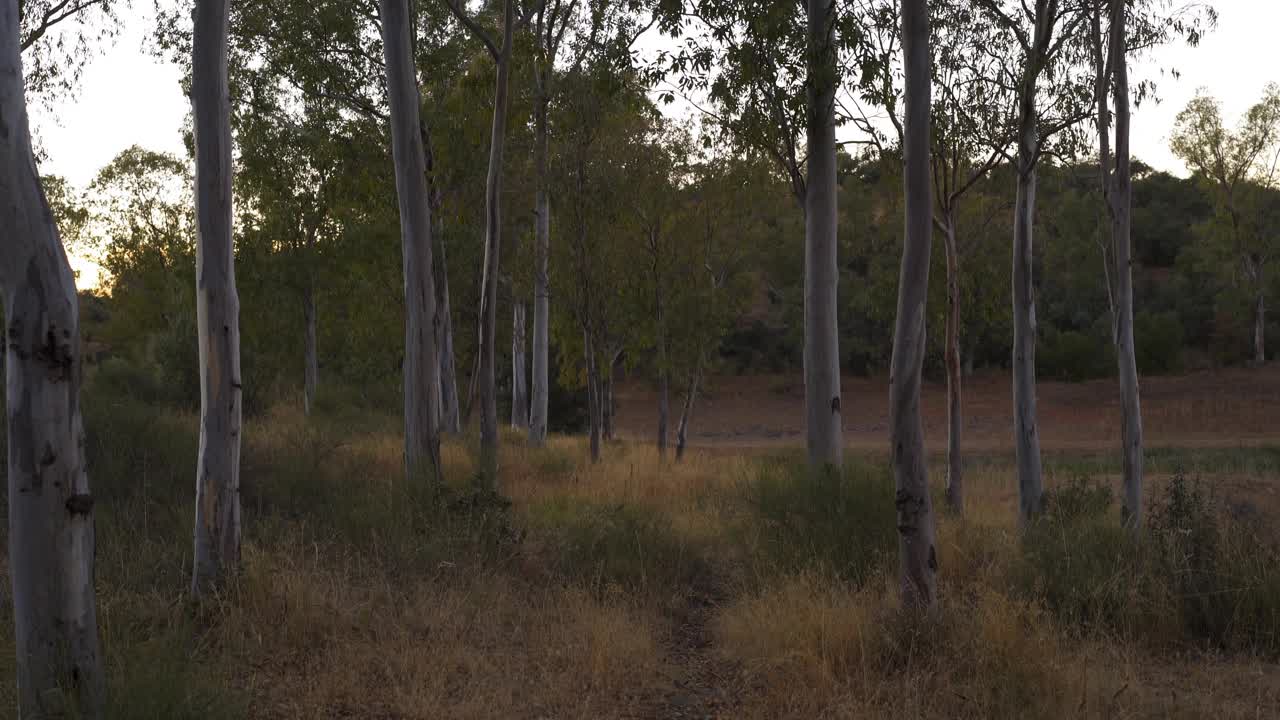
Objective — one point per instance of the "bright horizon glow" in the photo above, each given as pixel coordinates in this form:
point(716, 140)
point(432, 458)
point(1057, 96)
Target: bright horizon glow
point(128, 97)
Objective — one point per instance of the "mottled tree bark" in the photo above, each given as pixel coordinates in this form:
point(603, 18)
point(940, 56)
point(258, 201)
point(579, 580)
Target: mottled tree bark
point(51, 528)
point(217, 523)
point(421, 358)
point(519, 386)
point(916, 553)
point(821, 275)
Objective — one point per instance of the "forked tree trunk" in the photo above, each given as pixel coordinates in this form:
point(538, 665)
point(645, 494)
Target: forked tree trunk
point(519, 386)
point(492, 248)
point(421, 358)
point(682, 430)
point(1120, 204)
point(51, 529)
point(217, 523)
point(311, 371)
point(955, 411)
point(917, 556)
point(540, 380)
point(821, 274)
point(450, 417)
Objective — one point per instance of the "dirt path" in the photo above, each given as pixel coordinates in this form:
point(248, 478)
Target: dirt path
point(703, 686)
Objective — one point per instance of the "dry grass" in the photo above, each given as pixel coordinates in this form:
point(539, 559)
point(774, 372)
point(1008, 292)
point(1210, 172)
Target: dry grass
point(633, 588)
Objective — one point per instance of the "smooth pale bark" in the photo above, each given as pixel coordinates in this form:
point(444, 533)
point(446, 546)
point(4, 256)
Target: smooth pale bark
point(51, 527)
point(421, 360)
point(217, 523)
point(1026, 433)
point(450, 414)
point(917, 557)
point(821, 274)
point(540, 379)
point(519, 386)
point(607, 406)
point(951, 354)
point(492, 247)
point(682, 430)
point(1118, 191)
point(311, 351)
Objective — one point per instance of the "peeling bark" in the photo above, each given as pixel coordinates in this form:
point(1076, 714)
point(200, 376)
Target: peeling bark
point(51, 525)
point(217, 522)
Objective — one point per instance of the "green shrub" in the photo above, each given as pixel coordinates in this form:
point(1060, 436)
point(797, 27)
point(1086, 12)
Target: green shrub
point(840, 523)
point(1074, 356)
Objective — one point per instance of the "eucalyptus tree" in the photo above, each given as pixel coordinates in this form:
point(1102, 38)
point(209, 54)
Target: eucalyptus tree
point(1131, 27)
point(421, 362)
point(1051, 74)
point(217, 522)
point(51, 526)
point(971, 136)
point(500, 49)
point(917, 555)
point(57, 38)
point(772, 73)
point(1240, 166)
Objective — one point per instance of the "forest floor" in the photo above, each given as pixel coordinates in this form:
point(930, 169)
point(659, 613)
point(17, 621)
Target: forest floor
point(733, 584)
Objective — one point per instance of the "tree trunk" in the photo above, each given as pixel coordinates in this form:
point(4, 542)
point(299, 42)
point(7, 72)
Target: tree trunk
point(594, 400)
point(821, 332)
point(51, 528)
point(1121, 202)
point(955, 414)
point(217, 523)
point(421, 360)
point(492, 248)
point(1026, 434)
point(664, 408)
point(541, 279)
point(450, 418)
point(917, 556)
point(1260, 325)
point(607, 405)
point(682, 430)
point(311, 372)
point(519, 386)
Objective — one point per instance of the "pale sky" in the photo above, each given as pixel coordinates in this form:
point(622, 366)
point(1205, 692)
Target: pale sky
point(127, 97)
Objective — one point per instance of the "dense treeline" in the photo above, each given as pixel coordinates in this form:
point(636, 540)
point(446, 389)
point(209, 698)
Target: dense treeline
point(1189, 315)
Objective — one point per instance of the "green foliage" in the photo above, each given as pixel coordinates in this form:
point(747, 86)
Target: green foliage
point(1074, 356)
point(1194, 575)
point(1159, 340)
point(838, 523)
